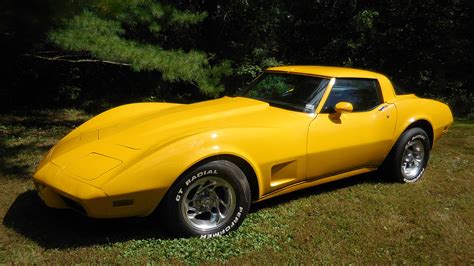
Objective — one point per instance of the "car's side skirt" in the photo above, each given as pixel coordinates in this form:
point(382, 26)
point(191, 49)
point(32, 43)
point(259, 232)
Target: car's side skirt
point(314, 182)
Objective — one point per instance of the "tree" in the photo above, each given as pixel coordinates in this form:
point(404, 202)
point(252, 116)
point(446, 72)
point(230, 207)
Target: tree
point(130, 50)
point(129, 33)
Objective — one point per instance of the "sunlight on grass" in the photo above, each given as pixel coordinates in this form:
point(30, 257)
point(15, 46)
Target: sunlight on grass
point(249, 238)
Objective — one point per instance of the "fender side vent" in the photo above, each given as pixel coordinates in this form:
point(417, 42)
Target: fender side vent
point(283, 173)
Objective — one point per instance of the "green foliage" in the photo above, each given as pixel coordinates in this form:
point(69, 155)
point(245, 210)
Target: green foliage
point(270, 87)
point(363, 24)
point(151, 14)
point(69, 93)
point(426, 47)
point(104, 32)
point(246, 240)
point(252, 68)
point(365, 20)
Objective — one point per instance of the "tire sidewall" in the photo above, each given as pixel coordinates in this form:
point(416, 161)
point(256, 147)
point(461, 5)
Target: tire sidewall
point(221, 169)
point(409, 136)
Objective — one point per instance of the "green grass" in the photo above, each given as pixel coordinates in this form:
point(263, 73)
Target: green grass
point(362, 219)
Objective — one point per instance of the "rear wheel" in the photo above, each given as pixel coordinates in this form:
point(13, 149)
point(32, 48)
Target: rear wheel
point(407, 161)
point(209, 201)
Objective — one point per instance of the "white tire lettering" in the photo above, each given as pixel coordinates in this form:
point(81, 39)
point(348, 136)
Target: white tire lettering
point(418, 137)
point(227, 228)
point(413, 138)
point(180, 192)
point(200, 174)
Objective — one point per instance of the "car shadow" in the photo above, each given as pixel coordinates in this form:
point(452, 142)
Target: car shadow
point(63, 229)
point(371, 177)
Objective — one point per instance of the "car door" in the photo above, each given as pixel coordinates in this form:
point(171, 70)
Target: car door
point(341, 142)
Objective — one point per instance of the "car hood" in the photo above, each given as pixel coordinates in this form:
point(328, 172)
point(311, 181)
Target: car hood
point(179, 121)
point(154, 128)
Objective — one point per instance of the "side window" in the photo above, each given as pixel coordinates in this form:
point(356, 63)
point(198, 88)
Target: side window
point(363, 94)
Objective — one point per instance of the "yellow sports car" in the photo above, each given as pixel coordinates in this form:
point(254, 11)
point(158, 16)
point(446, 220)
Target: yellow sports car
point(202, 165)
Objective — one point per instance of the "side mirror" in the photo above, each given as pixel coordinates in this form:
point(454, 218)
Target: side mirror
point(343, 107)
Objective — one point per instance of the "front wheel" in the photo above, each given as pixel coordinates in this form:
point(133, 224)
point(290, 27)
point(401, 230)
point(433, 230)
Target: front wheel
point(407, 161)
point(209, 201)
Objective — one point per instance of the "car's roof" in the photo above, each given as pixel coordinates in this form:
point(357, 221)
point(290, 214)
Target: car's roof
point(326, 71)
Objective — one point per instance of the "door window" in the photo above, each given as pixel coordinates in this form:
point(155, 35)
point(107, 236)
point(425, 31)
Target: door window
point(363, 94)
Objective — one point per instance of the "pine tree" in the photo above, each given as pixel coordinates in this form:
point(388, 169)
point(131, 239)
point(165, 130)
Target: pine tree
point(129, 33)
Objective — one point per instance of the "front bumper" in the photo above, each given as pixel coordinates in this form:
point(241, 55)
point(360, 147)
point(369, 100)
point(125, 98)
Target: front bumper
point(59, 190)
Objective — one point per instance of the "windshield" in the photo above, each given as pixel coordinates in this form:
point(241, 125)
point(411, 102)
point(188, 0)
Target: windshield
point(289, 91)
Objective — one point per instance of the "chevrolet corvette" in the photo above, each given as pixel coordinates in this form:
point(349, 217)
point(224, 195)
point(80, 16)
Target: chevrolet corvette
point(201, 165)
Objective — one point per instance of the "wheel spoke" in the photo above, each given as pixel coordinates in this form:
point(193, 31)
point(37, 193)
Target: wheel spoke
point(210, 184)
point(223, 203)
point(222, 215)
point(199, 190)
point(190, 208)
point(193, 215)
point(189, 201)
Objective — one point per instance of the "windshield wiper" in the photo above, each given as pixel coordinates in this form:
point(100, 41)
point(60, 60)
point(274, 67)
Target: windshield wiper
point(279, 104)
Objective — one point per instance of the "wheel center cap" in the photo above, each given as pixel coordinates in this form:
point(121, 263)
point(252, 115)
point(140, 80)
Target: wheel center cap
point(206, 202)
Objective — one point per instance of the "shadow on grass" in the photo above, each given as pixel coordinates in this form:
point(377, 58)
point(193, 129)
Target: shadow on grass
point(39, 127)
point(22, 168)
point(371, 177)
point(63, 229)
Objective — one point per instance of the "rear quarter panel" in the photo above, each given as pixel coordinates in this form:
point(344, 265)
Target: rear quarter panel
point(413, 109)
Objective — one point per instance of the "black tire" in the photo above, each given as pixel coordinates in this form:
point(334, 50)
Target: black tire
point(197, 202)
point(397, 164)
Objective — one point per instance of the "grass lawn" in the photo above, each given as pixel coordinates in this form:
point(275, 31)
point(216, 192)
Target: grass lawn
point(362, 219)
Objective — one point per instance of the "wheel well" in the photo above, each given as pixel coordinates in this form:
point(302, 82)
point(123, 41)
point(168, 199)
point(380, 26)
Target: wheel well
point(426, 126)
point(243, 165)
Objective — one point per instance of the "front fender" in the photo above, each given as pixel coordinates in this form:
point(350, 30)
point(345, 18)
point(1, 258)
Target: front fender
point(158, 168)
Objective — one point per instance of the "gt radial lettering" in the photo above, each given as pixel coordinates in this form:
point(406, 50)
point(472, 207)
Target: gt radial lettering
point(180, 192)
point(200, 174)
point(419, 137)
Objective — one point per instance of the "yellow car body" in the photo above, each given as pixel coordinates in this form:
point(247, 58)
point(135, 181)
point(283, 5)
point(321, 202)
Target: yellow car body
point(122, 162)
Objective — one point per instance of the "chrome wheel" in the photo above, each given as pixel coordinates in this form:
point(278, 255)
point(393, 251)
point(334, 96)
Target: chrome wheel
point(208, 203)
point(412, 159)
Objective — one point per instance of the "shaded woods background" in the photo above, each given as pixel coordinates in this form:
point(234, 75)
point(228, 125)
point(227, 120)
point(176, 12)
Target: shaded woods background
point(96, 54)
